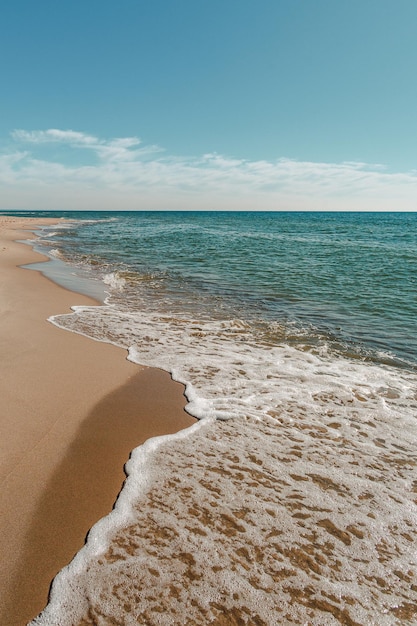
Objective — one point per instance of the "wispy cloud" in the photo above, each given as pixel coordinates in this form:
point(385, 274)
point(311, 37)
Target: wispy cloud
point(125, 172)
point(53, 134)
point(121, 149)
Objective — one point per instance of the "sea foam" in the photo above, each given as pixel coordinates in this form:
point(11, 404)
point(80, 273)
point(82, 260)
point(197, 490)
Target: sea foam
point(114, 280)
point(291, 502)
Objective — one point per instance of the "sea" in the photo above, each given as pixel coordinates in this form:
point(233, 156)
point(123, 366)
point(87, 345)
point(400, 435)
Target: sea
point(293, 499)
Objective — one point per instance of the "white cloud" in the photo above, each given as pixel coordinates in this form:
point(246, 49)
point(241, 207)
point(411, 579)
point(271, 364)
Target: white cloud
point(127, 174)
point(53, 134)
point(119, 149)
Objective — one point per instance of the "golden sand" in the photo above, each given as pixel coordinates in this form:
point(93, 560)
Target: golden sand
point(71, 411)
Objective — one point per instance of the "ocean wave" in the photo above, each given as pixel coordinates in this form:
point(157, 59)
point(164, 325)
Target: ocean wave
point(55, 252)
point(115, 281)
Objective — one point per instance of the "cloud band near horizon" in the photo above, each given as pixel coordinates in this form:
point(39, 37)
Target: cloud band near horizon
point(66, 169)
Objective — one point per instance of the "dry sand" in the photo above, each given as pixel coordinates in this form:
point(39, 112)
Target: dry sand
point(71, 410)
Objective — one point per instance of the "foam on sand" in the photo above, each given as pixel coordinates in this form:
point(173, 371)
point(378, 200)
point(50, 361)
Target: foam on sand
point(296, 506)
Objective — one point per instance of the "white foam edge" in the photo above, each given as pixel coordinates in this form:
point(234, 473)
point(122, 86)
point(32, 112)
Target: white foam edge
point(137, 483)
point(55, 252)
point(63, 224)
point(114, 280)
point(196, 406)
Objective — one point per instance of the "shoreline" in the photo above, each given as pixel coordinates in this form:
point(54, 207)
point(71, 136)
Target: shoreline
point(58, 477)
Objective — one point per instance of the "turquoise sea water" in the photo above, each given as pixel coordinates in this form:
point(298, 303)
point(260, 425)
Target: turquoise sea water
point(293, 499)
point(349, 279)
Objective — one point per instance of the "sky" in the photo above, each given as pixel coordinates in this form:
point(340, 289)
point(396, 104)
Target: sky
point(208, 104)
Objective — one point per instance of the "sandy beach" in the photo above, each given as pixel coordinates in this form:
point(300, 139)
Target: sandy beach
point(71, 411)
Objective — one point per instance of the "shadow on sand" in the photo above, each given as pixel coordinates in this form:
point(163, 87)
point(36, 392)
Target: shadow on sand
point(85, 485)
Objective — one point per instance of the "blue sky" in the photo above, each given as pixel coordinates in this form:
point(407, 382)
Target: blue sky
point(284, 104)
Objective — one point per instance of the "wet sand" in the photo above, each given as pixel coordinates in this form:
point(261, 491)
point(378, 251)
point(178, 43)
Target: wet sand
point(71, 410)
